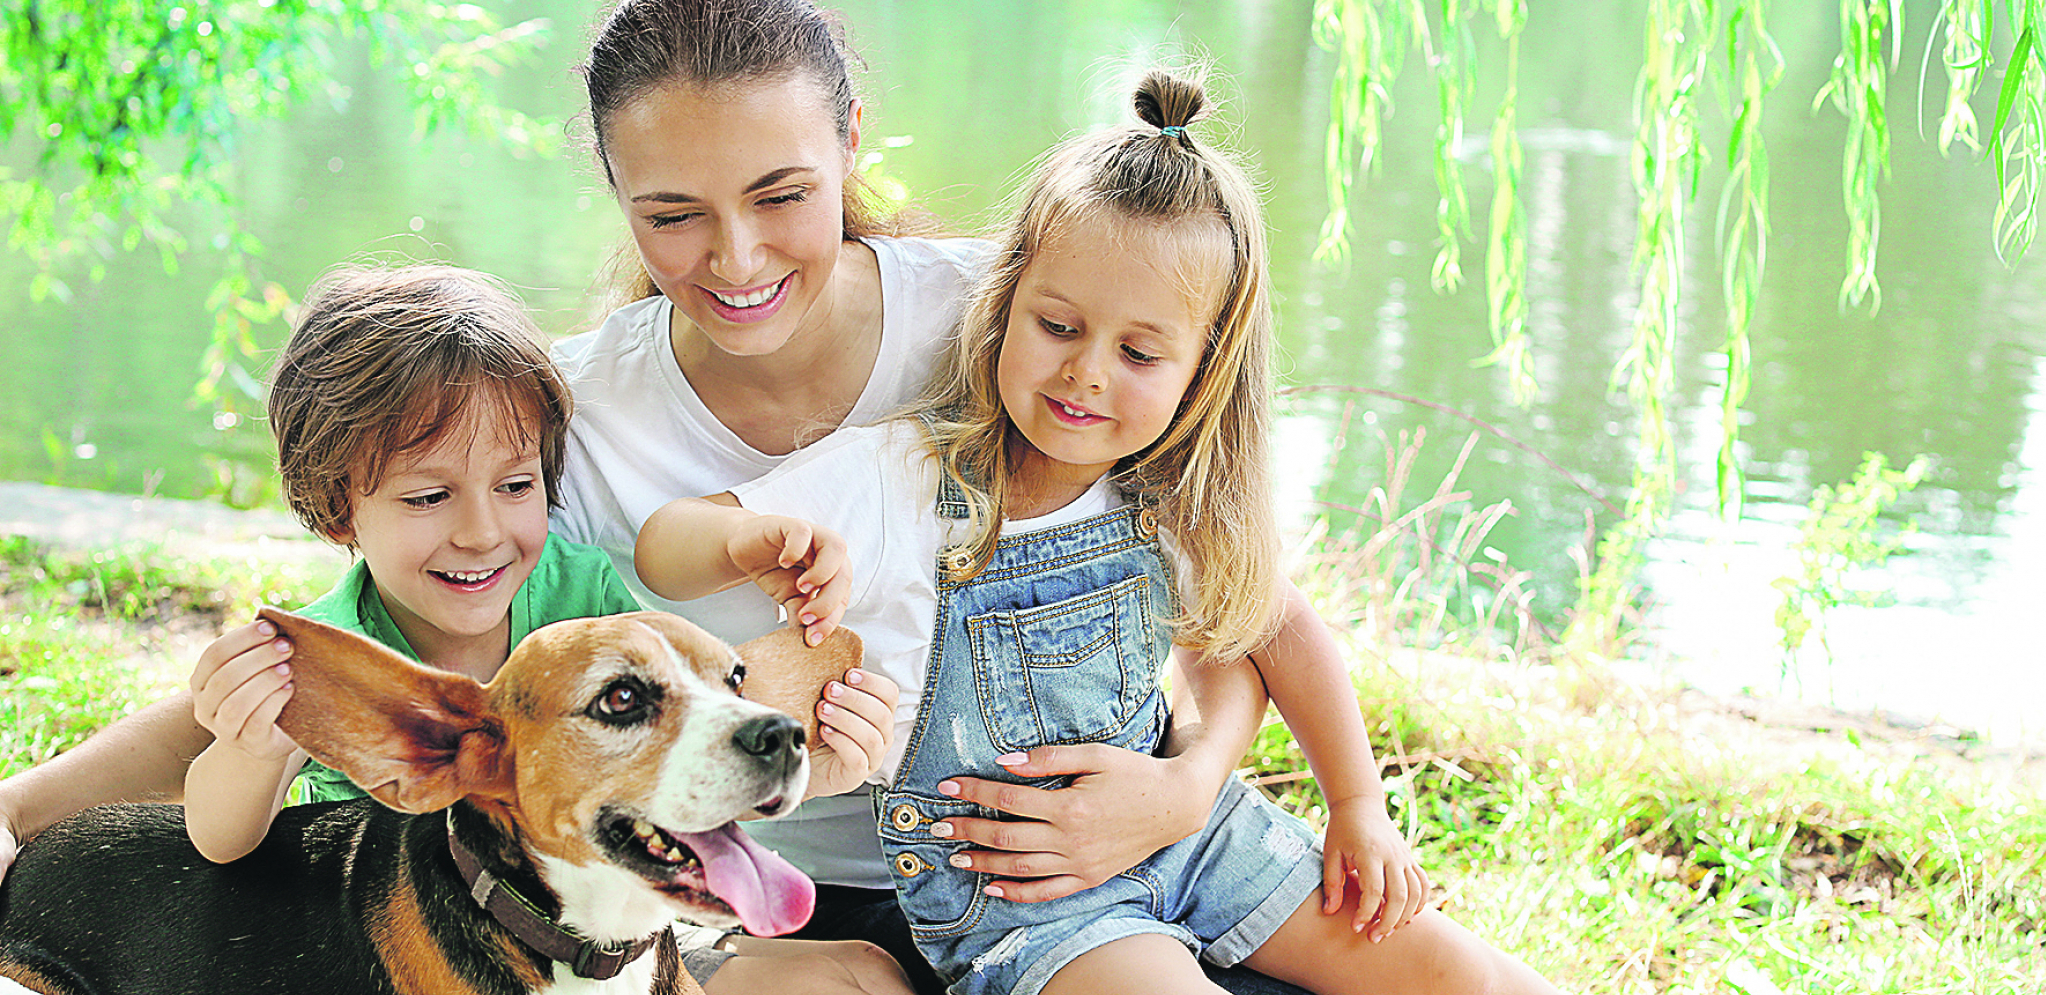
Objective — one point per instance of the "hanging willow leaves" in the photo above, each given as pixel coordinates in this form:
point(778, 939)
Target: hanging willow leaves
point(1370, 40)
point(1453, 83)
point(1506, 243)
point(1964, 55)
point(2018, 137)
point(1753, 68)
point(1858, 88)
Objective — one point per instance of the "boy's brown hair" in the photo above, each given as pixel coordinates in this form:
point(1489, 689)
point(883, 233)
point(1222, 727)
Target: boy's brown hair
point(382, 362)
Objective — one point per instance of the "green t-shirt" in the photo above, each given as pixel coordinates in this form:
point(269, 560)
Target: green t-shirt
point(571, 580)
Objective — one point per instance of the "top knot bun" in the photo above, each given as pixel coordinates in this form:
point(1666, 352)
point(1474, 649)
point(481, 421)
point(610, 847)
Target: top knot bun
point(1167, 101)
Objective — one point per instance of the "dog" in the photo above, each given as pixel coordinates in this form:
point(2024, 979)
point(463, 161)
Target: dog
point(536, 834)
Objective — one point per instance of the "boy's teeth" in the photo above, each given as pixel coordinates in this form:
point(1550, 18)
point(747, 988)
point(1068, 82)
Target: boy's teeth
point(754, 299)
point(467, 576)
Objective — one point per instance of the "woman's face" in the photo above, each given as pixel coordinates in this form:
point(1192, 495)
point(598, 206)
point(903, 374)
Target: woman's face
point(734, 196)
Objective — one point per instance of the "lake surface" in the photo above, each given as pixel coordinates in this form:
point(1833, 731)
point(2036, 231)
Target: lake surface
point(962, 96)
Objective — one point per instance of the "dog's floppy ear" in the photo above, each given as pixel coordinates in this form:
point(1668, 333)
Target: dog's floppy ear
point(787, 674)
point(415, 738)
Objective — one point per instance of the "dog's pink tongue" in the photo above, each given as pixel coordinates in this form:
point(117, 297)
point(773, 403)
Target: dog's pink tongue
point(770, 896)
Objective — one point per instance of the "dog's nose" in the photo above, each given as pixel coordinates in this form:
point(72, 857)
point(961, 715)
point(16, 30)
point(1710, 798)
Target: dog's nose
point(769, 735)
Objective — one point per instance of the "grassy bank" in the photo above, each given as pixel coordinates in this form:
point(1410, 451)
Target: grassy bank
point(1620, 839)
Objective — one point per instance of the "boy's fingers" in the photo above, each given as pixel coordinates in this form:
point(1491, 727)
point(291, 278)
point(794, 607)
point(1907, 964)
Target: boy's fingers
point(232, 644)
point(233, 712)
point(260, 729)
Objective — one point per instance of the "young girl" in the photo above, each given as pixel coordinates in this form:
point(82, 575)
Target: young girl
point(1002, 559)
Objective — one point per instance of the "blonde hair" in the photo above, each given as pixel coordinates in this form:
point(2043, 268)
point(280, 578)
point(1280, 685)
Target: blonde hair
point(384, 361)
point(1207, 476)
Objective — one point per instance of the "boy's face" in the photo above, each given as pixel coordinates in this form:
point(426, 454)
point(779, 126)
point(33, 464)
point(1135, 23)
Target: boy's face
point(450, 534)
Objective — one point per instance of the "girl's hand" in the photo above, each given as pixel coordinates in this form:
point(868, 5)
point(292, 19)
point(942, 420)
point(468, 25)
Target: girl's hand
point(1363, 845)
point(239, 688)
point(800, 565)
point(856, 722)
point(1121, 807)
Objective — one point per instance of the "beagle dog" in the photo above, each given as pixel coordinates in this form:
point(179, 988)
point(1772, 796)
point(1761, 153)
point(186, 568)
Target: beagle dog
point(536, 834)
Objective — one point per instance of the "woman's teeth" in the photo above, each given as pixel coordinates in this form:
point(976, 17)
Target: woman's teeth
point(753, 299)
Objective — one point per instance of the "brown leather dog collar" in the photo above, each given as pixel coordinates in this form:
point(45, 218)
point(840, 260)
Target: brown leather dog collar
point(587, 958)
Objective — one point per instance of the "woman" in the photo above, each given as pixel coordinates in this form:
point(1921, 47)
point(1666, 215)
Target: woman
point(773, 305)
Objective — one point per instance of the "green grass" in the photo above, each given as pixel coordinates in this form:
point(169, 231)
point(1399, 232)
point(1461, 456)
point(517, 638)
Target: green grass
point(79, 643)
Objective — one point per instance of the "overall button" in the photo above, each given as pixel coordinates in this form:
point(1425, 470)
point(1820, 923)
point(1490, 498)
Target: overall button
point(905, 817)
point(1147, 522)
point(909, 865)
point(957, 561)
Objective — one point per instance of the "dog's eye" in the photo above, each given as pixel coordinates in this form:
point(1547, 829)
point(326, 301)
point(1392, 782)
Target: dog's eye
point(736, 680)
point(624, 702)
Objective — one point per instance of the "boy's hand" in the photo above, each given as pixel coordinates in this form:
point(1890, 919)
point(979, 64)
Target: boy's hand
point(1361, 843)
point(800, 565)
point(239, 688)
point(856, 722)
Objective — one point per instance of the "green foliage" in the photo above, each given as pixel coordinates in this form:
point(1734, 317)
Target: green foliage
point(1842, 536)
point(1857, 88)
point(1753, 68)
point(139, 109)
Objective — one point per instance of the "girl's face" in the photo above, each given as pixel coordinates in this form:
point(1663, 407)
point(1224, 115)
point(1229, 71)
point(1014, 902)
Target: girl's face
point(734, 196)
point(1104, 336)
point(451, 533)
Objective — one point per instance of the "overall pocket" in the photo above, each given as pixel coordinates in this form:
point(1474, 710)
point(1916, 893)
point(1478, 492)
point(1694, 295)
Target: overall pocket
point(939, 900)
point(1068, 672)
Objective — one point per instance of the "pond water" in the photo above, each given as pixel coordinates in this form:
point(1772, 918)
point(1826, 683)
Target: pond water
point(95, 391)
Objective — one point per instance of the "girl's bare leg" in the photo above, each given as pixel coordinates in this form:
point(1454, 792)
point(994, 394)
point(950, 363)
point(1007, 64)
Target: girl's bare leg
point(807, 967)
point(1146, 962)
point(1431, 955)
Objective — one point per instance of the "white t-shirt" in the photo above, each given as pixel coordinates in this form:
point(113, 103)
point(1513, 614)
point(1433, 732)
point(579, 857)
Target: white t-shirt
point(878, 487)
point(641, 436)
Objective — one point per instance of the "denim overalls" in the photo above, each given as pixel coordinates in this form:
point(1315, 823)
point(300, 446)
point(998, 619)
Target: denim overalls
point(1061, 639)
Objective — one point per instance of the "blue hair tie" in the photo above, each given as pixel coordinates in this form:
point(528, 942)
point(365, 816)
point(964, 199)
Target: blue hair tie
point(1174, 130)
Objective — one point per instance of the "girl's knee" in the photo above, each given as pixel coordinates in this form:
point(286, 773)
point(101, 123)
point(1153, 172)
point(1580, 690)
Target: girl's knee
point(865, 966)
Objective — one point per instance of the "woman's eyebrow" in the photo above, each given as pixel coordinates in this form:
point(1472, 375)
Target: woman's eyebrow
point(768, 180)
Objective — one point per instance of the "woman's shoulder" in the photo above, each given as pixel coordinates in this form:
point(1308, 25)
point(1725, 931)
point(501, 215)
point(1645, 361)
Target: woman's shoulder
point(625, 336)
point(918, 257)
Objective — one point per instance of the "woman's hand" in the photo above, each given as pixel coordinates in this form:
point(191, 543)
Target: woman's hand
point(239, 688)
point(1121, 807)
point(1362, 845)
point(856, 721)
point(800, 565)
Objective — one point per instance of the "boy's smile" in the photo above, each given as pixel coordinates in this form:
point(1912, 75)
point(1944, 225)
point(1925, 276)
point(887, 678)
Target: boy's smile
point(1105, 332)
point(450, 535)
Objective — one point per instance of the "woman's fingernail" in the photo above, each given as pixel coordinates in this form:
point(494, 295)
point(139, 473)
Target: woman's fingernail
point(1011, 759)
point(949, 789)
point(943, 831)
point(992, 891)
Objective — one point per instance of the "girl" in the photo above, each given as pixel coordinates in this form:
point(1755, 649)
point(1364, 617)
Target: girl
point(1110, 389)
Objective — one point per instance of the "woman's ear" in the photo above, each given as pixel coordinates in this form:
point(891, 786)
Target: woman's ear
point(852, 135)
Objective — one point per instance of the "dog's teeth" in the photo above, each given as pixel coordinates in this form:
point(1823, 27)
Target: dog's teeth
point(643, 829)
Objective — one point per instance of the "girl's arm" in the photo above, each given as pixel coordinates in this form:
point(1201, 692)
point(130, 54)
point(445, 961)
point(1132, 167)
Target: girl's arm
point(1121, 807)
point(1309, 682)
point(693, 547)
point(140, 758)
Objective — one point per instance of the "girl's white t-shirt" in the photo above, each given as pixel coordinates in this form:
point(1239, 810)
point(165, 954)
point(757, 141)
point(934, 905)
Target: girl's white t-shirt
point(877, 486)
point(641, 437)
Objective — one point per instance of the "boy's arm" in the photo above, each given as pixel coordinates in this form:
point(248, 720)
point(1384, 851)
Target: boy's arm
point(1309, 682)
point(235, 788)
point(140, 758)
point(232, 797)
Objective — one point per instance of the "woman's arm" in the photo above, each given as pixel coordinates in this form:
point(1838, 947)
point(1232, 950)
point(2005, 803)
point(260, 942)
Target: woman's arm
point(140, 758)
point(1121, 807)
